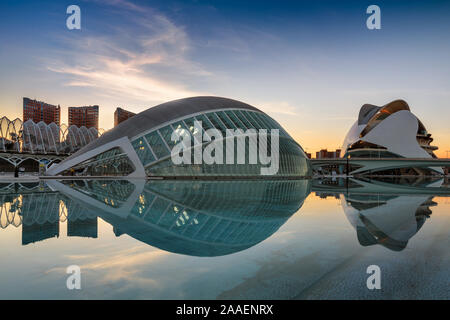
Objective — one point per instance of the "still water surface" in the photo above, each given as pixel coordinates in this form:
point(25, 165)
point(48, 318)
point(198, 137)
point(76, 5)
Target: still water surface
point(295, 239)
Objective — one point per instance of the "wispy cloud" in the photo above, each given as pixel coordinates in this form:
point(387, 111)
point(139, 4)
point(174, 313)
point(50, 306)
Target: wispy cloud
point(125, 266)
point(146, 59)
point(122, 4)
point(281, 107)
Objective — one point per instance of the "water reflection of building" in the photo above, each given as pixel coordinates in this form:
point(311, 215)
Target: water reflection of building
point(79, 222)
point(201, 218)
point(39, 211)
point(40, 216)
point(386, 212)
point(387, 220)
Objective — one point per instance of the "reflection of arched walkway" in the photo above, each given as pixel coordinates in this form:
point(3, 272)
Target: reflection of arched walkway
point(30, 165)
point(6, 166)
point(35, 205)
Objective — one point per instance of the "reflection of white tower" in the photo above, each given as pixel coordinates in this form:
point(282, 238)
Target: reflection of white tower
point(387, 220)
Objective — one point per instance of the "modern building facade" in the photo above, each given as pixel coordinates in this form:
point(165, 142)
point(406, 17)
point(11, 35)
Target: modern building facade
point(38, 111)
point(142, 145)
point(120, 115)
point(84, 116)
point(390, 131)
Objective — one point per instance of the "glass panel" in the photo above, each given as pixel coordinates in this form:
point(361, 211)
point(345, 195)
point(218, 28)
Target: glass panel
point(157, 210)
point(226, 120)
point(157, 144)
point(207, 226)
point(143, 151)
point(243, 118)
point(254, 122)
point(192, 129)
point(271, 123)
point(206, 124)
point(217, 123)
point(166, 133)
point(235, 120)
point(185, 218)
point(142, 204)
point(170, 217)
point(292, 160)
point(182, 130)
point(262, 119)
point(190, 124)
point(274, 125)
point(180, 125)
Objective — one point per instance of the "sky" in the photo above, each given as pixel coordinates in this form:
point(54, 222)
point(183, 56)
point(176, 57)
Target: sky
point(310, 65)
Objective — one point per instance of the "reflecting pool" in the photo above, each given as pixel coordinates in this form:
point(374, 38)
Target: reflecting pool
point(271, 239)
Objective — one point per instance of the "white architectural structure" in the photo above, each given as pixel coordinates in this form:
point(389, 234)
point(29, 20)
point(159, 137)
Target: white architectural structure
point(141, 146)
point(390, 131)
point(41, 138)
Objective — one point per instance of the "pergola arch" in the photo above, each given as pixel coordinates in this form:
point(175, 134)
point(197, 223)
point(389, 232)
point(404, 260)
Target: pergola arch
point(41, 138)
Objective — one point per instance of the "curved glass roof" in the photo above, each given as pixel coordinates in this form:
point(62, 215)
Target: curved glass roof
point(160, 114)
point(150, 135)
point(201, 218)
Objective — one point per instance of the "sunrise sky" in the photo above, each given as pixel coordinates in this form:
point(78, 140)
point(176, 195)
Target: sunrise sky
point(308, 64)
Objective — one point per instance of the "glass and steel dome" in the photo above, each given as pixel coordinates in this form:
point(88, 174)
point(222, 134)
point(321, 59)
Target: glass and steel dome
point(197, 218)
point(142, 145)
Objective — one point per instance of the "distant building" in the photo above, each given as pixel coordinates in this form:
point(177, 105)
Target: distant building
point(321, 154)
point(308, 155)
point(40, 217)
point(85, 228)
point(40, 111)
point(120, 115)
point(324, 154)
point(84, 116)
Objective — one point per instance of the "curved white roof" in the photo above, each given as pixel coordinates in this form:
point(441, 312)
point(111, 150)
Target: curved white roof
point(392, 126)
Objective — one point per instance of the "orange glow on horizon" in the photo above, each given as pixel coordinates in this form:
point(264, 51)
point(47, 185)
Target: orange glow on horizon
point(329, 137)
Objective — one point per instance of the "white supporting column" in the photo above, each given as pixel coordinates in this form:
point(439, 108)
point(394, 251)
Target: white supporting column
point(122, 143)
